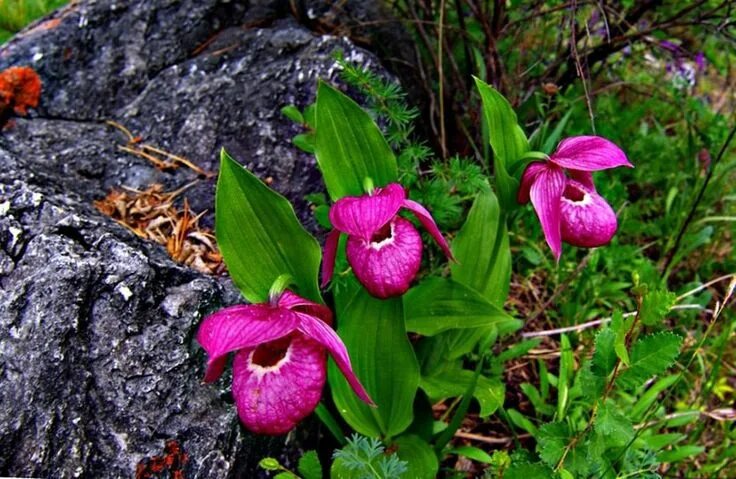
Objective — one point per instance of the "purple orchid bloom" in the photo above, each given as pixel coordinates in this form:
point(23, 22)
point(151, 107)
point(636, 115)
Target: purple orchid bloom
point(568, 206)
point(280, 363)
point(384, 249)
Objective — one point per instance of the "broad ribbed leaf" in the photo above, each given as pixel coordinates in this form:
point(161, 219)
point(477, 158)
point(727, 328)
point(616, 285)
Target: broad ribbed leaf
point(349, 146)
point(439, 304)
point(260, 236)
point(650, 355)
point(384, 361)
point(482, 250)
point(420, 457)
point(489, 392)
point(507, 139)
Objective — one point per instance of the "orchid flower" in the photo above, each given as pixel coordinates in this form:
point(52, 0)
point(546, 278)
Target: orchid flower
point(280, 363)
point(568, 206)
point(384, 249)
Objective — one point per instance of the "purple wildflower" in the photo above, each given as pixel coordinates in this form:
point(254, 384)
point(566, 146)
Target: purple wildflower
point(280, 363)
point(568, 206)
point(384, 249)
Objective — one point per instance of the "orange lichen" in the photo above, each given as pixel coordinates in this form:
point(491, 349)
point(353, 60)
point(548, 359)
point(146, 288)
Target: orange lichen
point(151, 214)
point(20, 89)
point(172, 461)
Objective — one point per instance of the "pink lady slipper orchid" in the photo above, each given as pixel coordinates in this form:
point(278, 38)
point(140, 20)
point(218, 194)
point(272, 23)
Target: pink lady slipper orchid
point(384, 249)
point(568, 206)
point(279, 367)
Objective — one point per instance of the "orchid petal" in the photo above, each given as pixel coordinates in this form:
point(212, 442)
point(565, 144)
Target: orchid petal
point(587, 220)
point(589, 153)
point(364, 215)
point(545, 193)
point(319, 331)
point(427, 221)
point(296, 303)
point(530, 174)
point(386, 268)
point(240, 327)
point(585, 178)
point(273, 399)
point(328, 261)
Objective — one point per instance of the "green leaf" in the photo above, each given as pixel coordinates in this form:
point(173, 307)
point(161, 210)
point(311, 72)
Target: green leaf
point(604, 357)
point(621, 326)
point(260, 236)
point(507, 139)
point(563, 381)
point(419, 455)
point(554, 138)
point(349, 146)
point(309, 466)
point(384, 361)
point(613, 426)
point(522, 421)
point(552, 440)
point(679, 453)
point(482, 250)
point(439, 304)
point(655, 442)
point(655, 306)
point(489, 392)
point(473, 453)
point(528, 471)
point(292, 113)
point(650, 355)
point(650, 396)
point(304, 141)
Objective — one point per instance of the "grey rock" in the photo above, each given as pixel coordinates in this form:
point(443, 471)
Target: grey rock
point(98, 362)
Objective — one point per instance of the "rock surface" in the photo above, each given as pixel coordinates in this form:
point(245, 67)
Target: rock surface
point(98, 365)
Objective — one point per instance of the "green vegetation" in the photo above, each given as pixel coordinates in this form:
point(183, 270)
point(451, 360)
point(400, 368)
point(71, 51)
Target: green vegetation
point(16, 14)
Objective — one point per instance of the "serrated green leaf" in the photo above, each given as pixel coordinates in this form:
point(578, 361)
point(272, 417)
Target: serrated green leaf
point(552, 440)
point(439, 304)
point(489, 392)
point(591, 385)
point(309, 466)
point(384, 361)
point(611, 424)
point(419, 455)
point(604, 357)
point(528, 471)
point(655, 306)
point(508, 141)
point(650, 355)
point(349, 145)
point(260, 237)
point(482, 250)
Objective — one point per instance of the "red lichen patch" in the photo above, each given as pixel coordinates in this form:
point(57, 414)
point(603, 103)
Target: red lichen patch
point(151, 214)
point(170, 464)
point(20, 89)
